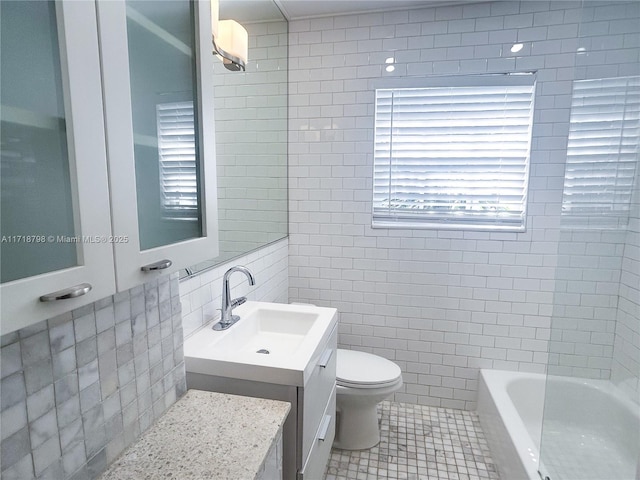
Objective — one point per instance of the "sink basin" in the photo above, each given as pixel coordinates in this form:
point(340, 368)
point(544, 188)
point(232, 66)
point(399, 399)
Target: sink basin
point(271, 342)
point(268, 330)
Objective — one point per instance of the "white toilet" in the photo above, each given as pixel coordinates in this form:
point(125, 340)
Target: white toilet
point(363, 380)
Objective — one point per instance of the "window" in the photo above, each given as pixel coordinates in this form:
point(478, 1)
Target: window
point(177, 152)
point(602, 153)
point(453, 153)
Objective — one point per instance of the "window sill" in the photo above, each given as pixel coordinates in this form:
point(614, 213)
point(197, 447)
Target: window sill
point(406, 225)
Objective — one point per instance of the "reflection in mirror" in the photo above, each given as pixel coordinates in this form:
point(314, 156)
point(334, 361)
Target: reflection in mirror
point(161, 39)
point(251, 135)
point(602, 152)
point(35, 177)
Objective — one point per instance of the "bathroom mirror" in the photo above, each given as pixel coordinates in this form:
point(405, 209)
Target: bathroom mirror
point(251, 135)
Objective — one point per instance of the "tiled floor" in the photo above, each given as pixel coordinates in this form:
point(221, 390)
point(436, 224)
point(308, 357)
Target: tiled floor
point(419, 443)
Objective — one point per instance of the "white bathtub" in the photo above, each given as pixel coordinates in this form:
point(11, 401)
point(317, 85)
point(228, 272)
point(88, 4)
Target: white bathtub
point(590, 430)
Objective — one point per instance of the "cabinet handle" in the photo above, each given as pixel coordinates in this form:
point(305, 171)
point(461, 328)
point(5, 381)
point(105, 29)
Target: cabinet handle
point(71, 292)
point(324, 359)
point(152, 267)
point(324, 428)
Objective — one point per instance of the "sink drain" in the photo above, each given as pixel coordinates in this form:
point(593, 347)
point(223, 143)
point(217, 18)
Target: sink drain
point(263, 350)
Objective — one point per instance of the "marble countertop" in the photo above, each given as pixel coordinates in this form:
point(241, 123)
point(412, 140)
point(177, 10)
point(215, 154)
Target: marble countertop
point(204, 435)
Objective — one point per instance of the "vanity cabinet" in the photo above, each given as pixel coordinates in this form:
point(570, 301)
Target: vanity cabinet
point(310, 428)
point(317, 407)
point(103, 166)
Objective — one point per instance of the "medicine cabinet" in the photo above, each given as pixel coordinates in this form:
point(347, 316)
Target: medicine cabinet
point(101, 102)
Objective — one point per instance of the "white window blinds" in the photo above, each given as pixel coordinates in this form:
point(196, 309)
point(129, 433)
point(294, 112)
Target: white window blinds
point(454, 154)
point(177, 152)
point(602, 152)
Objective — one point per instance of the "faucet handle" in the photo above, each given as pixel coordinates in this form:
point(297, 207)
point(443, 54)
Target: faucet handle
point(238, 301)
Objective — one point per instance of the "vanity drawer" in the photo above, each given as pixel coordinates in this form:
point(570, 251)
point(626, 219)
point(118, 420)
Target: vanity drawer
point(317, 392)
point(315, 462)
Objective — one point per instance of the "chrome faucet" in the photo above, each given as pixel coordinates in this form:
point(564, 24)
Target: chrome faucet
point(227, 318)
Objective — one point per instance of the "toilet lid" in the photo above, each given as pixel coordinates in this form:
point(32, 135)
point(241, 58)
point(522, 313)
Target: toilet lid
point(364, 369)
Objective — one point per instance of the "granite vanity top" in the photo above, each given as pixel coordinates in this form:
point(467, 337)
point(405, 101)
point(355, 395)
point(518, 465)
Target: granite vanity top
point(204, 435)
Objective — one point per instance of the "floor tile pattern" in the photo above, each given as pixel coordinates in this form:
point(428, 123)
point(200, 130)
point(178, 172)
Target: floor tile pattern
point(419, 443)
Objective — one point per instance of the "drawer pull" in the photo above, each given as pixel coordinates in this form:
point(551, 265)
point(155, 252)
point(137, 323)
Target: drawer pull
point(324, 360)
point(324, 428)
point(71, 292)
point(152, 267)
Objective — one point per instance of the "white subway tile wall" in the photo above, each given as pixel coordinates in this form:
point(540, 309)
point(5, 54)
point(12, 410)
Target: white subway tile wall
point(79, 388)
point(200, 295)
point(443, 304)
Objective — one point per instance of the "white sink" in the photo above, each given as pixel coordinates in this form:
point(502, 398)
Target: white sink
point(271, 343)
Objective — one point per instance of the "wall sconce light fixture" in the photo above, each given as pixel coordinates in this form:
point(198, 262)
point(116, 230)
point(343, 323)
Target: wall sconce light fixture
point(230, 40)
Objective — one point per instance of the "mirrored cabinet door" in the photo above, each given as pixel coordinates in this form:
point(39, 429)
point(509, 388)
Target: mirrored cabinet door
point(164, 110)
point(157, 64)
point(54, 219)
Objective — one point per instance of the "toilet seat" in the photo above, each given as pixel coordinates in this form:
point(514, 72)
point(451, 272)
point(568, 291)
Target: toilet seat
point(363, 370)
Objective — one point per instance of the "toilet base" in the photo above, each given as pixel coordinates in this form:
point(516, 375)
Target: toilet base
point(357, 428)
point(358, 394)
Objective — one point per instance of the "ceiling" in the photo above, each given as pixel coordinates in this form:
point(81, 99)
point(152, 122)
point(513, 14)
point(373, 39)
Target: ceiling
point(296, 9)
point(247, 11)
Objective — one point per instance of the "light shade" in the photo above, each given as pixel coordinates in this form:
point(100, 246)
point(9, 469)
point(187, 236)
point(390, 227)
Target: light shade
point(233, 41)
point(230, 40)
